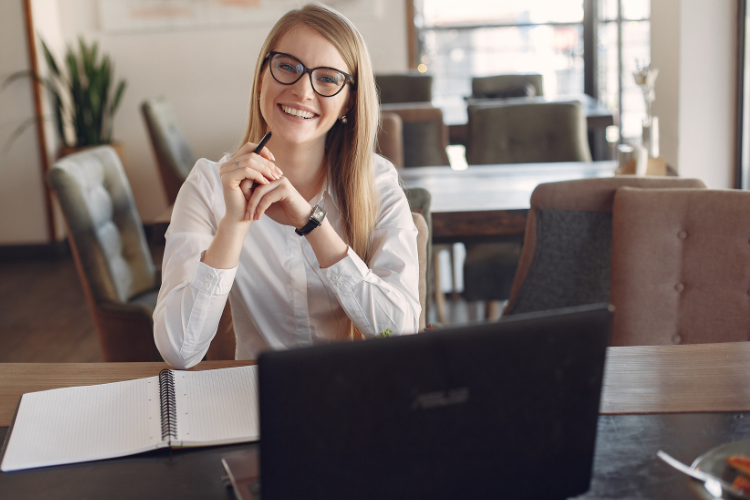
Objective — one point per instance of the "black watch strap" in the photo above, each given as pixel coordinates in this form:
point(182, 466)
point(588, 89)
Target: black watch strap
point(316, 219)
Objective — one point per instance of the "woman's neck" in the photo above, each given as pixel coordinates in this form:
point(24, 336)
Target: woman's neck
point(302, 164)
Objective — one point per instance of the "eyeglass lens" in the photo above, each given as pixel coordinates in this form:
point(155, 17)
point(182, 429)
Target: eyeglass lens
point(287, 69)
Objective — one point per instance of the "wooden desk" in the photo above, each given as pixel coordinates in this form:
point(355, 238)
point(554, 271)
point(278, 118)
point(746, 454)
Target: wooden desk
point(703, 379)
point(652, 379)
point(489, 202)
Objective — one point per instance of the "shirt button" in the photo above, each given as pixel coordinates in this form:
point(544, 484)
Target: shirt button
point(679, 287)
point(682, 235)
point(210, 276)
point(334, 278)
point(676, 339)
point(208, 285)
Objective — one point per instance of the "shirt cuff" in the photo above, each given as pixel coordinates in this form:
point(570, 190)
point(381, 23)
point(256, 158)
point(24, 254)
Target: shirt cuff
point(213, 281)
point(348, 271)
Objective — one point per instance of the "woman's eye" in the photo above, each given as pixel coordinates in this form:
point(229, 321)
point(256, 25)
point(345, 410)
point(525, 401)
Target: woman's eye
point(286, 67)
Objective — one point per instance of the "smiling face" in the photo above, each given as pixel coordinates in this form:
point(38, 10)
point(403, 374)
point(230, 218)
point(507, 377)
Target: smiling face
point(296, 114)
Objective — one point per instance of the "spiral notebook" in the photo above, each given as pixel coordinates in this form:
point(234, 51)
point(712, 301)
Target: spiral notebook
point(176, 409)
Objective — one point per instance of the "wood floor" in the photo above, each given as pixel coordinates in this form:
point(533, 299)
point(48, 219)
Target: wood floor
point(43, 313)
point(44, 317)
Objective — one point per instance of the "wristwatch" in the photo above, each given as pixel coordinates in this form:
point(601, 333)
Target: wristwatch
point(316, 219)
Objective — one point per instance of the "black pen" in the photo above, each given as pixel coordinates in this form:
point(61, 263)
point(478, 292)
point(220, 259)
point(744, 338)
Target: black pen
point(262, 143)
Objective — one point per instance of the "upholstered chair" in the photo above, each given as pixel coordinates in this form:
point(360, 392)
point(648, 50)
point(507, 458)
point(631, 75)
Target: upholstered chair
point(515, 133)
point(391, 138)
point(172, 151)
point(527, 133)
point(565, 260)
point(110, 251)
point(506, 86)
point(680, 266)
point(404, 87)
point(425, 135)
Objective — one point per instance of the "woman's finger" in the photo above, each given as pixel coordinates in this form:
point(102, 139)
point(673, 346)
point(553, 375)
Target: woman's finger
point(269, 199)
point(258, 194)
point(259, 163)
point(246, 186)
point(238, 175)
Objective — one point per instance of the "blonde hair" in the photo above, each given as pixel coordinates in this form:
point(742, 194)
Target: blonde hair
point(349, 146)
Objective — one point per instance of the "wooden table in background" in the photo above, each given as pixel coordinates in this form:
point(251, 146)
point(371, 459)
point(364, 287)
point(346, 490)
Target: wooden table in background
point(489, 202)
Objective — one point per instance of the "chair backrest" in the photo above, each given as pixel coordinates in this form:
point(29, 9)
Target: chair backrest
point(504, 86)
point(173, 153)
point(527, 133)
point(565, 259)
point(391, 138)
point(424, 132)
point(103, 224)
point(423, 237)
point(405, 87)
point(680, 266)
point(419, 201)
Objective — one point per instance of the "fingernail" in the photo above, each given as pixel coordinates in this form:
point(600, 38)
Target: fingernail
point(272, 156)
point(279, 171)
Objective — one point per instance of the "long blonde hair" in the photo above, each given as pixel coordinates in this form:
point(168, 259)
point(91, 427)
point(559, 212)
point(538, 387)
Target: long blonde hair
point(349, 146)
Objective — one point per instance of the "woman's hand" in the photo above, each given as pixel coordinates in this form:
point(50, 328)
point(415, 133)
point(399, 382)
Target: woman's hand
point(281, 202)
point(240, 175)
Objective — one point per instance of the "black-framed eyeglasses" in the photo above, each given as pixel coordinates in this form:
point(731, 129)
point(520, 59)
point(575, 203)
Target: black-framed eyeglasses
point(287, 70)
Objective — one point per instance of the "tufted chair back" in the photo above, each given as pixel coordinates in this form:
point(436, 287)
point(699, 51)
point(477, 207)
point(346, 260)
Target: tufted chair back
point(173, 153)
point(527, 133)
point(680, 266)
point(110, 249)
point(505, 86)
point(565, 259)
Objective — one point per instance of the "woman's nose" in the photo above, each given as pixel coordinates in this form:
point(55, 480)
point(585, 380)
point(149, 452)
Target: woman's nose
point(302, 88)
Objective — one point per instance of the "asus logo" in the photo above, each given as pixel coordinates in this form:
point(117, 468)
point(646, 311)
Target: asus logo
point(437, 399)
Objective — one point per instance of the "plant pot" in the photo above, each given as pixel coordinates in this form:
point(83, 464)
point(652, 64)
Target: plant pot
point(118, 147)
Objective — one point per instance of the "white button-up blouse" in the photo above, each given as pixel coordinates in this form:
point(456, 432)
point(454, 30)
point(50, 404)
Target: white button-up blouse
point(280, 296)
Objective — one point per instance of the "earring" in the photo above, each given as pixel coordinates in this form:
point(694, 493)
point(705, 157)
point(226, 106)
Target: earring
point(343, 119)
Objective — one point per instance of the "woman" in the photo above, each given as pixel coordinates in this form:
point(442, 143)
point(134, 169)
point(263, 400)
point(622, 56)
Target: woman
point(236, 225)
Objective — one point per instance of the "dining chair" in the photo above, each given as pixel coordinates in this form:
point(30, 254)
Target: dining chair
point(515, 133)
point(680, 266)
point(224, 343)
point(425, 135)
point(565, 260)
point(109, 247)
point(391, 139)
point(527, 133)
point(173, 153)
point(404, 87)
point(506, 86)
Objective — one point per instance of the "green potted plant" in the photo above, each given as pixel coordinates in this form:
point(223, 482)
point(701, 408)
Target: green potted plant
point(82, 99)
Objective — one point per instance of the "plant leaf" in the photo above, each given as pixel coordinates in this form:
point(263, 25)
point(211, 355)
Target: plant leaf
point(113, 107)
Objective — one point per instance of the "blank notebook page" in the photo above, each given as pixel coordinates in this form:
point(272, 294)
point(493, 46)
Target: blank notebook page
point(217, 406)
point(78, 424)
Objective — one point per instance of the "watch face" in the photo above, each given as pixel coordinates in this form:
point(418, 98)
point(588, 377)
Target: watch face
point(318, 214)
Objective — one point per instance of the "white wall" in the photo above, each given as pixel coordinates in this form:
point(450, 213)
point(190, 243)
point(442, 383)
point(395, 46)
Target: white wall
point(22, 210)
point(693, 43)
point(206, 74)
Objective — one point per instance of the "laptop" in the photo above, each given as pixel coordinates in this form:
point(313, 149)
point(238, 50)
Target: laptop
point(496, 410)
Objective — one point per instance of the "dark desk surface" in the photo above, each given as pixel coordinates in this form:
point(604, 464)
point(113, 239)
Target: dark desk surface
point(654, 397)
point(625, 464)
point(486, 202)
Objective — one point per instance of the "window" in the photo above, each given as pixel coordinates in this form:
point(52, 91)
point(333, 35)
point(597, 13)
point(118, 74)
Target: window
point(459, 40)
point(623, 43)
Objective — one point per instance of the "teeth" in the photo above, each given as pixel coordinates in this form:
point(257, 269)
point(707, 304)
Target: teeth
point(297, 112)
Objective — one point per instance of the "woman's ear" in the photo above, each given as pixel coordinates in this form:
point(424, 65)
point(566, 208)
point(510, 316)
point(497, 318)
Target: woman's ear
point(350, 102)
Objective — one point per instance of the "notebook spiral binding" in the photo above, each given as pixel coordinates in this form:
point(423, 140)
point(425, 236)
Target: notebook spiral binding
point(168, 406)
